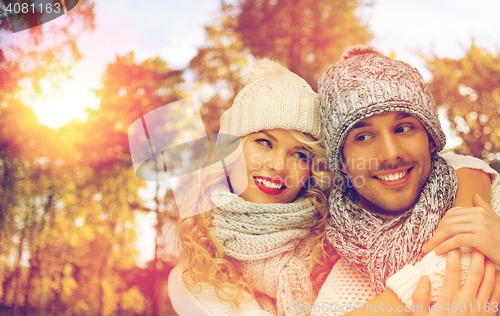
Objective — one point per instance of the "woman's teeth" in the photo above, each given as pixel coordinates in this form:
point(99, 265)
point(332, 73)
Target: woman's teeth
point(393, 177)
point(269, 184)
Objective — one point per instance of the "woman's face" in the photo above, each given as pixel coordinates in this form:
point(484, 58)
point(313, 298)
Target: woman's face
point(273, 167)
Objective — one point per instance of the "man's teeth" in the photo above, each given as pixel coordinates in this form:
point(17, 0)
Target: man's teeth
point(393, 177)
point(269, 184)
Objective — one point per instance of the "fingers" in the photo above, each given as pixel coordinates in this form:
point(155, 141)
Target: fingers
point(491, 306)
point(495, 296)
point(457, 241)
point(450, 225)
point(488, 282)
point(464, 227)
point(420, 297)
point(475, 276)
point(451, 276)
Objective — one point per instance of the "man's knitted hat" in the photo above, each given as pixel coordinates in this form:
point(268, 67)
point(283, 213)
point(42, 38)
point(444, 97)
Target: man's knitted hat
point(274, 98)
point(366, 83)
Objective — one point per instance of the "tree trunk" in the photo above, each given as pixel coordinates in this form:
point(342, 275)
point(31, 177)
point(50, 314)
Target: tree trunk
point(17, 275)
point(156, 287)
point(34, 262)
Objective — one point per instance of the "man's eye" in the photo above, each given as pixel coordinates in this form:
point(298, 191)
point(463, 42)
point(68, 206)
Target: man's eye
point(264, 142)
point(363, 137)
point(403, 129)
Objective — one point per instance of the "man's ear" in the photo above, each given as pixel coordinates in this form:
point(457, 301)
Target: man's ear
point(432, 147)
point(344, 166)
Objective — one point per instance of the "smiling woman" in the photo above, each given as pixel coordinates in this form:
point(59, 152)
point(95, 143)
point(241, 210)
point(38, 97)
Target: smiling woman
point(276, 166)
point(254, 248)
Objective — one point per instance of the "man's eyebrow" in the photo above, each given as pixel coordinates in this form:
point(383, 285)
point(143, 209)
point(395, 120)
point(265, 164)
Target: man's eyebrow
point(361, 124)
point(274, 139)
point(403, 115)
point(400, 116)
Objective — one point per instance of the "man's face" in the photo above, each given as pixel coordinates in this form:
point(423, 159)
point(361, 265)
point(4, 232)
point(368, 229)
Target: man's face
point(388, 160)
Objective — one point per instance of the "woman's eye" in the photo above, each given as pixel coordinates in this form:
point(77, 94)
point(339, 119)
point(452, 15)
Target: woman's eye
point(403, 129)
point(302, 156)
point(363, 137)
point(264, 142)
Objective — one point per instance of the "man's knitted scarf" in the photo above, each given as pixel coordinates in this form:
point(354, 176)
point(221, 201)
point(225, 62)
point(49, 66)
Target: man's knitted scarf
point(379, 248)
point(270, 240)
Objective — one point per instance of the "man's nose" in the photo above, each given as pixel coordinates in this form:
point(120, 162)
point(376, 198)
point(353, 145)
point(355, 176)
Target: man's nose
point(389, 148)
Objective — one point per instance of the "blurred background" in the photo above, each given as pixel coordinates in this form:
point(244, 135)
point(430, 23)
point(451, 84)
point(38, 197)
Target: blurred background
point(80, 234)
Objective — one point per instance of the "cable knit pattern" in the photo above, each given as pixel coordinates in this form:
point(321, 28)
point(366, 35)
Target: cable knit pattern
point(270, 240)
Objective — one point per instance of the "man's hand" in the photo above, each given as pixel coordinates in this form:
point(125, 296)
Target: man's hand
point(478, 297)
point(477, 227)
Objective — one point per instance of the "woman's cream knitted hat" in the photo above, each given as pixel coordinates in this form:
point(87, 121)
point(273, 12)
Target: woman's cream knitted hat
point(274, 98)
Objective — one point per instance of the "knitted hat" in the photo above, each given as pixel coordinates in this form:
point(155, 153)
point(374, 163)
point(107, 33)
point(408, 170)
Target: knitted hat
point(274, 98)
point(365, 83)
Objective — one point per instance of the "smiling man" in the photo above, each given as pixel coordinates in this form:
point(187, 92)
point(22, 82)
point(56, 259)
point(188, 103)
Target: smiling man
point(401, 147)
point(382, 134)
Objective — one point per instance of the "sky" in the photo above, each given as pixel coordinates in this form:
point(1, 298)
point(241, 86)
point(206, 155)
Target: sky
point(173, 30)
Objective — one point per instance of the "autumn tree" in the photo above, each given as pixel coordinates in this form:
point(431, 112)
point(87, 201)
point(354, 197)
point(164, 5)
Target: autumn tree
point(307, 36)
point(131, 90)
point(219, 67)
point(26, 179)
point(66, 216)
point(469, 89)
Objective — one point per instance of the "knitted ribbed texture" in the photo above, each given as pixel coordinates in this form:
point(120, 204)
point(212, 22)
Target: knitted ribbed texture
point(433, 266)
point(271, 242)
point(266, 302)
point(459, 161)
point(249, 231)
point(274, 98)
point(365, 83)
point(284, 277)
point(379, 247)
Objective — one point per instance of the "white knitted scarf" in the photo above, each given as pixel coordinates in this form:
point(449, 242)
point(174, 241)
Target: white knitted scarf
point(270, 241)
point(379, 248)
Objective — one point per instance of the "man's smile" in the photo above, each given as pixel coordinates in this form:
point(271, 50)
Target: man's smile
point(395, 177)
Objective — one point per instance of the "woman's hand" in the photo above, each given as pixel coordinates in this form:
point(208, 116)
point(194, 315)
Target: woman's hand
point(478, 297)
point(477, 227)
